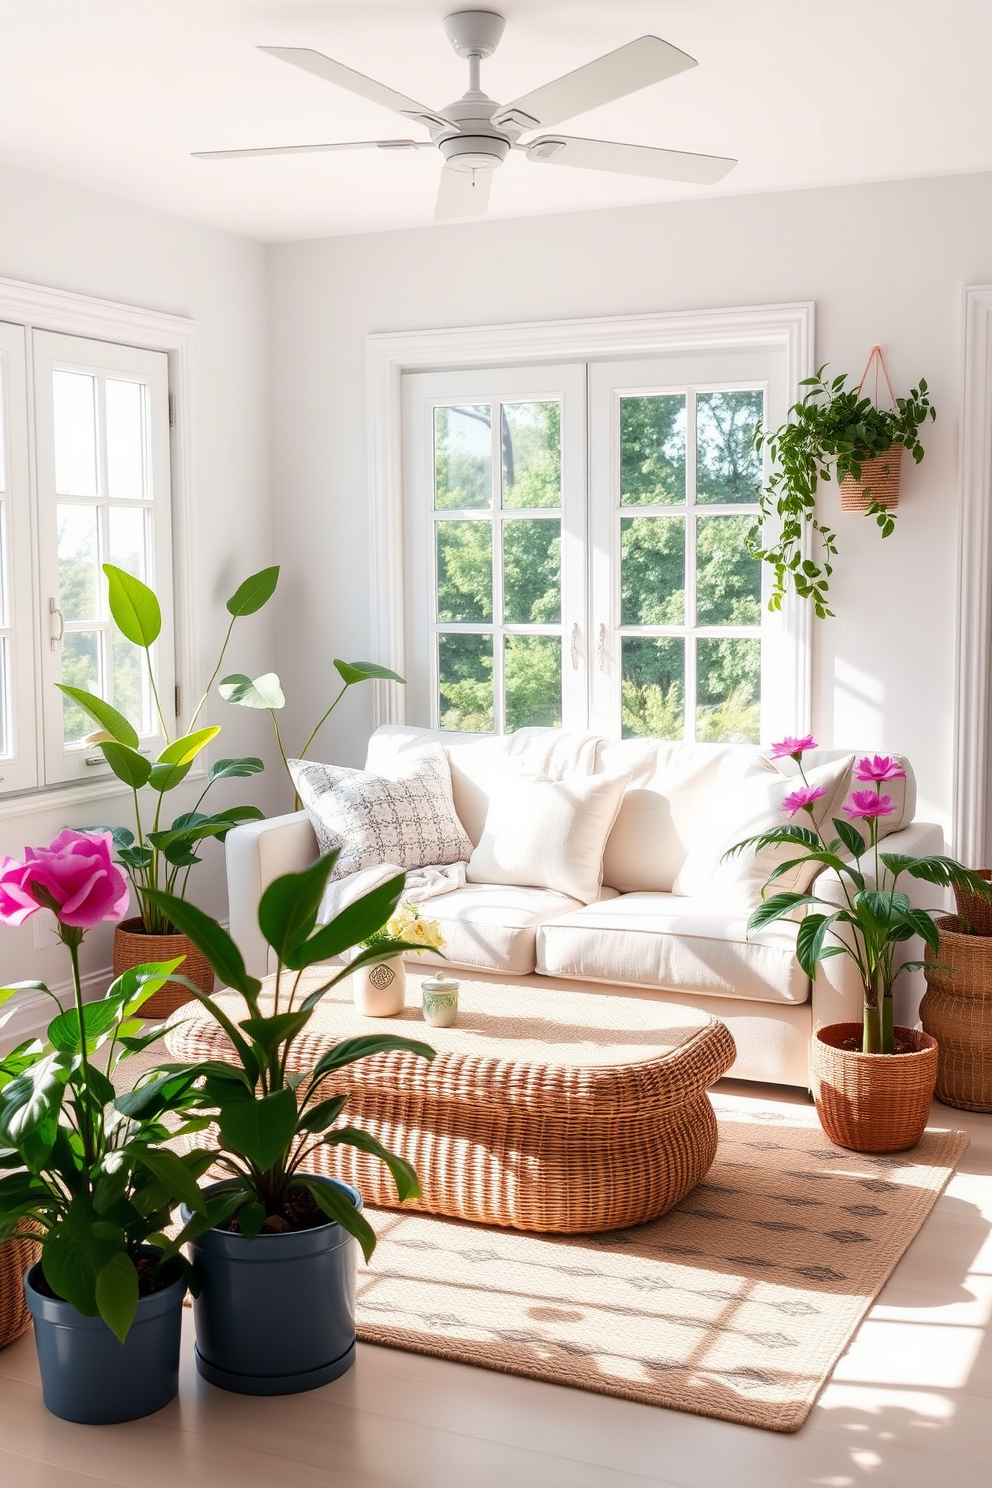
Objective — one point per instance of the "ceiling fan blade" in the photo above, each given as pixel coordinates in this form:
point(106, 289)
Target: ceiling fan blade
point(355, 82)
point(462, 194)
point(396, 144)
point(629, 160)
point(636, 65)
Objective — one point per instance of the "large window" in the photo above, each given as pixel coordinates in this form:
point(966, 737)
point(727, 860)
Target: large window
point(98, 446)
point(596, 579)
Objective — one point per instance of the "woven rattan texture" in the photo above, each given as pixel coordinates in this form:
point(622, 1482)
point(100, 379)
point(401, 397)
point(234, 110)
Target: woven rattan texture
point(977, 912)
point(736, 1304)
point(873, 1102)
point(558, 1138)
point(957, 1011)
point(879, 483)
point(15, 1258)
point(134, 949)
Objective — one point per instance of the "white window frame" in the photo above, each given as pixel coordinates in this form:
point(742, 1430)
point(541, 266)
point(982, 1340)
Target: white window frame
point(19, 769)
point(787, 328)
point(35, 307)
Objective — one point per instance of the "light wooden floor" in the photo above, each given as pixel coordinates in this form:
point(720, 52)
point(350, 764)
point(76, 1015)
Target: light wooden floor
point(909, 1405)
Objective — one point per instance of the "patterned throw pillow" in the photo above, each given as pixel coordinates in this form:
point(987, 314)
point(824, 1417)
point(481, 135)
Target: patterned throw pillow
point(410, 822)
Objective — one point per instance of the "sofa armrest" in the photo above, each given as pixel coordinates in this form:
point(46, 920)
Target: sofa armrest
point(257, 853)
point(836, 994)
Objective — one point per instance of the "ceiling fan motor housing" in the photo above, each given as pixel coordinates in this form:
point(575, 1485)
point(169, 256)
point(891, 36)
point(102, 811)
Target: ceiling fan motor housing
point(476, 144)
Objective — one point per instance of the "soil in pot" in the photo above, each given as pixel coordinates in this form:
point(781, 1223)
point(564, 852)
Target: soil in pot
point(872, 1102)
point(133, 946)
point(276, 1314)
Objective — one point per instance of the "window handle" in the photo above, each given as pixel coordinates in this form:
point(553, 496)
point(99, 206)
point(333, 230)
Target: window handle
point(575, 647)
point(56, 621)
point(601, 648)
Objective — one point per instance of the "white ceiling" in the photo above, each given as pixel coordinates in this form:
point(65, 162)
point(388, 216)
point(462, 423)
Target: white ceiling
point(115, 94)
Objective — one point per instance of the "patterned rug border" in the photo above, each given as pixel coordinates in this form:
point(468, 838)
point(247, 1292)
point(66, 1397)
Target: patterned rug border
point(948, 1146)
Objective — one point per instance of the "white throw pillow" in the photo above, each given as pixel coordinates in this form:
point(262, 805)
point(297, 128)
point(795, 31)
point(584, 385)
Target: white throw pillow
point(549, 834)
point(410, 821)
point(754, 807)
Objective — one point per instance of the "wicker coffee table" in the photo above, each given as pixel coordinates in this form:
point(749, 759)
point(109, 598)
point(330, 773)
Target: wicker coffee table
point(543, 1110)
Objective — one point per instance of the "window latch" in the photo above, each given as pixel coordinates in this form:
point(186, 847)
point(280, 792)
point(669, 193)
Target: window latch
point(56, 621)
point(601, 648)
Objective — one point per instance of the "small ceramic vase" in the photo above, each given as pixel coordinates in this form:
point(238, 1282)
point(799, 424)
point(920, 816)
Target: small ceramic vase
point(380, 989)
point(440, 1001)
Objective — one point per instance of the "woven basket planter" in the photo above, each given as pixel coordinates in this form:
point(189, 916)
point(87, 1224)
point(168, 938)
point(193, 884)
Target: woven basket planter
point(879, 483)
point(16, 1256)
point(872, 1102)
point(133, 947)
point(957, 1010)
point(977, 912)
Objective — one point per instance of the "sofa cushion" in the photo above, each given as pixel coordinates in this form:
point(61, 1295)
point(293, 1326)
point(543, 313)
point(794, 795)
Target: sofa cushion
point(675, 944)
point(549, 834)
point(492, 927)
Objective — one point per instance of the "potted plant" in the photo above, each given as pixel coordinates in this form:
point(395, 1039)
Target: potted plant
point(872, 1081)
point(266, 692)
point(380, 989)
point(832, 430)
point(156, 856)
point(96, 1188)
point(273, 1250)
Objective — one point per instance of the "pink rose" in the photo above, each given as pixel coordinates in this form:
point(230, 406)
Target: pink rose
point(803, 798)
point(792, 748)
point(866, 804)
point(882, 767)
point(74, 876)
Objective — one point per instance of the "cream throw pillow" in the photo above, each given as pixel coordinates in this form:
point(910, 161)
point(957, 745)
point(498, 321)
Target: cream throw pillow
point(756, 806)
point(549, 834)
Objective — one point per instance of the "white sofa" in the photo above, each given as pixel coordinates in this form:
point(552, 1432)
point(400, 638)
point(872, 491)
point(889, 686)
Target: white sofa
point(638, 938)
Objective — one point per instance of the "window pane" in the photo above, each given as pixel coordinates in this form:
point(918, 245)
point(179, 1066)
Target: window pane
point(3, 428)
point(652, 687)
point(728, 468)
point(128, 539)
point(728, 579)
point(74, 406)
point(530, 435)
point(532, 571)
point(463, 457)
point(465, 682)
point(652, 450)
point(652, 570)
point(80, 668)
point(131, 692)
point(532, 681)
point(728, 690)
point(125, 438)
point(5, 698)
point(78, 562)
point(464, 571)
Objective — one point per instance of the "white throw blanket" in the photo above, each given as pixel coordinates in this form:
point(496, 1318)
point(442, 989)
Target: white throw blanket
point(421, 884)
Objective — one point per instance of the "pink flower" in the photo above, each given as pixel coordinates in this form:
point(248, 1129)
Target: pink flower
point(882, 767)
point(866, 804)
point(793, 748)
point(803, 798)
point(74, 876)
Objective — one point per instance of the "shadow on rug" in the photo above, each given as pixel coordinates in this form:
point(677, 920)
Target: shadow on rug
point(737, 1304)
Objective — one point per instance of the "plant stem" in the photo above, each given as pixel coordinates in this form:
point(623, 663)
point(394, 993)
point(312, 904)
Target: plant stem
point(323, 720)
point(158, 705)
point(871, 1042)
point(71, 938)
point(282, 752)
point(213, 678)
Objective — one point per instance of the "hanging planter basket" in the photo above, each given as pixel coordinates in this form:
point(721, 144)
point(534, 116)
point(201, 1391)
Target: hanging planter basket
point(879, 483)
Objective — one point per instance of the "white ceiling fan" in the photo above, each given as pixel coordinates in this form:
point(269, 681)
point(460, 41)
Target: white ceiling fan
point(475, 134)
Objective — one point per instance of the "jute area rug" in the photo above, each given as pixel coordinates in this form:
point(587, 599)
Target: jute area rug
point(737, 1304)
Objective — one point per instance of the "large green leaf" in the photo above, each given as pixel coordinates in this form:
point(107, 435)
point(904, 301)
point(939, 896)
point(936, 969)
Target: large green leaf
point(151, 1099)
point(175, 1177)
point(404, 1175)
point(64, 1032)
point(348, 1050)
point(320, 1116)
point(28, 1099)
point(849, 836)
point(185, 750)
point(117, 1294)
point(166, 777)
point(261, 1129)
point(135, 609)
point(127, 764)
point(353, 925)
point(211, 939)
point(270, 1032)
point(135, 985)
point(776, 907)
point(337, 1206)
point(256, 591)
point(258, 692)
point(365, 671)
point(287, 911)
point(107, 717)
point(810, 941)
point(70, 1271)
point(229, 769)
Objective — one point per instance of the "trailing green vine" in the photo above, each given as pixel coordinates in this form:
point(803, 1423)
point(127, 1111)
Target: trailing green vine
point(831, 431)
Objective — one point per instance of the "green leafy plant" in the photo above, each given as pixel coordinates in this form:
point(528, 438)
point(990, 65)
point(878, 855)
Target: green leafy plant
point(96, 1186)
point(266, 692)
point(832, 431)
point(272, 1119)
point(156, 856)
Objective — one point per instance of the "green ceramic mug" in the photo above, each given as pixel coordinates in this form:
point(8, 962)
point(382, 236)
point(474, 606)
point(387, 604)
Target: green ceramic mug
point(439, 999)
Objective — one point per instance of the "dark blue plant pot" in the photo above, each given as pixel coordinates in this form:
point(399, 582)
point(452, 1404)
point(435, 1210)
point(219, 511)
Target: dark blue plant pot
point(275, 1315)
point(90, 1377)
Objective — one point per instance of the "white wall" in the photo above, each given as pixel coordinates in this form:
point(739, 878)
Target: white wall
point(883, 263)
point(70, 238)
